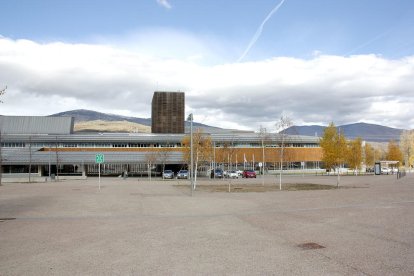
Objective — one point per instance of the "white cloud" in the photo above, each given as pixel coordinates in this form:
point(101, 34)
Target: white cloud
point(167, 43)
point(164, 3)
point(47, 78)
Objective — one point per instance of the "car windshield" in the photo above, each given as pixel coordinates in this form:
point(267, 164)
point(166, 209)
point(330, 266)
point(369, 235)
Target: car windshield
point(183, 171)
point(167, 171)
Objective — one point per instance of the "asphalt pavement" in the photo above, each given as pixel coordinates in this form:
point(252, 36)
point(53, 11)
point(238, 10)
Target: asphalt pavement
point(140, 227)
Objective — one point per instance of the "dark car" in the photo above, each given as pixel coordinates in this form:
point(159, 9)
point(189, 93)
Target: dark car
point(249, 174)
point(182, 174)
point(168, 174)
point(217, 173)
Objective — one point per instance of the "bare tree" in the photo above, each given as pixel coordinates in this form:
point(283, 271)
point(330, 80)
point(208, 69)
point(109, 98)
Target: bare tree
point(1, 158)
point(2, 92)
point(57, 159)
point(265, 139)
point(281, 125)
point(163, 156)
point(227, 153)
point(151, 159)
point(30, 158)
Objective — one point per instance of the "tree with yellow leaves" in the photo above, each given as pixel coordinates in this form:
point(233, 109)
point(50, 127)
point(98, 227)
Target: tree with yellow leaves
point(333, 146)
point(407, 147)
point(369, 155)
point(202, 148)
point(354, 154)
point(394, 152)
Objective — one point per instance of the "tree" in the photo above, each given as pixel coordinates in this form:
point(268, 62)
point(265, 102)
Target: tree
point(394, 152)
point(334, 148)
point(2, 92)
point(407, 147)
point(30, 158)
point(369, 155)
point(227, 152)
point(283, 123)
point(265, 140)
point(354, 154)
point(341, 149)
point(151, 159)
point(327, 143)
point(202, 148)
point(1, 160)
point(57, 159)
point(163, 155)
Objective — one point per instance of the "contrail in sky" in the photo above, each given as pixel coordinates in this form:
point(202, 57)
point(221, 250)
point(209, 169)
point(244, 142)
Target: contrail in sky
point(259, 30)
point(381, 35)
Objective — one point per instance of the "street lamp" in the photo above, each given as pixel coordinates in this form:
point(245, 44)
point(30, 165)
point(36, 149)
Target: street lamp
point(190, 118)
point(263, 136)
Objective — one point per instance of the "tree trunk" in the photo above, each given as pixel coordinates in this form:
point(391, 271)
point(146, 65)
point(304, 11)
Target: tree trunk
point(1, 160)
point(195, 171)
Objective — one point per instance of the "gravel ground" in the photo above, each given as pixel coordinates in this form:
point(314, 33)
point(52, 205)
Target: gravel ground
point(137, 227)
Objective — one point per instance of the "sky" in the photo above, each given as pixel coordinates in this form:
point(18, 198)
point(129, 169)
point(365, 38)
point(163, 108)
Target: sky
point(242, 63)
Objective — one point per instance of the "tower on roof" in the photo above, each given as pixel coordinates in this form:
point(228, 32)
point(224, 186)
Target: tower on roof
point(167, 115)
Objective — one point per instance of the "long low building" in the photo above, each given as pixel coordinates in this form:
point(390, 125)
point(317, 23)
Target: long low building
point(48, 146)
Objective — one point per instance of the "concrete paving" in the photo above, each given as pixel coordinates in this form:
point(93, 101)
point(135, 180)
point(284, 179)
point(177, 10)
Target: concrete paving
point(137, 227)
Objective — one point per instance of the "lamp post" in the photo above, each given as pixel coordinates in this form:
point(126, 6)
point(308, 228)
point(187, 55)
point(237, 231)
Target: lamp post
point(263, 136)
point(190, 118)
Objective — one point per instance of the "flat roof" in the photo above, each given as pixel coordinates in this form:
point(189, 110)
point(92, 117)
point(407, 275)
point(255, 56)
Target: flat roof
point(36, 125)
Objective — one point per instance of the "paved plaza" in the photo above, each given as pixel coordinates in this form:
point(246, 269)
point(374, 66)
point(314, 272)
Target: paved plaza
point(138, 227)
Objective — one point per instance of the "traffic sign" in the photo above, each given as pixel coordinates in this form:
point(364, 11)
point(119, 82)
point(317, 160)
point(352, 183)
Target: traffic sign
point(99, 158)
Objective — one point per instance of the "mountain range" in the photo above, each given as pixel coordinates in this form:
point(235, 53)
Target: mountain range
point(368, 132)
point(84, 115)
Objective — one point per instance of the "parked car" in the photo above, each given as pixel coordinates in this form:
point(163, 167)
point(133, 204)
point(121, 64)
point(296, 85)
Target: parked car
point(168, 174)
point(182, 174)
point(217, 173)
point(239, 172)
point(385, 170)
point(232, 174)
point(249, 174)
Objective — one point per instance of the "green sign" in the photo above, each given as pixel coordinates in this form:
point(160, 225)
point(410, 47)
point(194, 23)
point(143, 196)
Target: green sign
point(99, 158)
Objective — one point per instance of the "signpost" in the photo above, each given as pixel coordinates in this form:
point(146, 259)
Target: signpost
point(99, 159)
